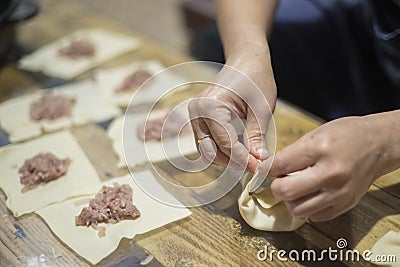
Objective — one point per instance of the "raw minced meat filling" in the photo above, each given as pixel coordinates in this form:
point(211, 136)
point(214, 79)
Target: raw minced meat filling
point(133, 81)
point(110, 205)
point(165, 127)
point(77, 48)
point(42, 168)
point(51, 106)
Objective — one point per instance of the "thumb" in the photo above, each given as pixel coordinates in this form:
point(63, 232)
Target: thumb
point(256, 131)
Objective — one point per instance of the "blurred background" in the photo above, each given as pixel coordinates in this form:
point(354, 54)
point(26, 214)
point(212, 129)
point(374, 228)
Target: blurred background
point(160, 20)
point(173, 24)
point(336, 39)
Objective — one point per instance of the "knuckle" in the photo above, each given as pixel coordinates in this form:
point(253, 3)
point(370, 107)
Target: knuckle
point(225, 146)
point(337, 174)
point(279, 164)
point(342, 169)
point(203, 105)
point(284, 191)
point(323, 143)
point(224, 141)
point(197, 106)
point(345, 191)
point(257, 135)
point(206, 104)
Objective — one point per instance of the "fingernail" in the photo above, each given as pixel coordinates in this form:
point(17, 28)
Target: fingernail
point(208, 149)
point(263, 152)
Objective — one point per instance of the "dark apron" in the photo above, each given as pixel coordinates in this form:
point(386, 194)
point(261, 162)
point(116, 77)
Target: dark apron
point(338, 58)
point(384, 16)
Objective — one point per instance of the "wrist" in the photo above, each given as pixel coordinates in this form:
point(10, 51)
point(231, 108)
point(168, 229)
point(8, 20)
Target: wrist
point(245, 52)
point(255, 63)
point(386, 128)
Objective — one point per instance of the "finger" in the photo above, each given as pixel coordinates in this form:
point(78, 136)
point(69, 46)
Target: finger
point(219, 124)
point(200, 128)
point(265, 165)
point(298, 185)
point(295, 157)
point(209, 152)
point(309, 205)
point(256, 131)
point(207, 148)
point(226, 138)
point(334, 211)
point(327, 214)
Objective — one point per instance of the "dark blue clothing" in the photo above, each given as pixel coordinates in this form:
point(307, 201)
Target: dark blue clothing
point(386, 29)
point(333, 58)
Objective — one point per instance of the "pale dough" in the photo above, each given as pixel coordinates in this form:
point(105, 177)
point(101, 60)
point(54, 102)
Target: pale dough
point(89, 107)
point(85, 241)
point(389, 244)
point(107, 44)
point(263, 211)
point(134, 151)
point(62, 144)
point(109, 79)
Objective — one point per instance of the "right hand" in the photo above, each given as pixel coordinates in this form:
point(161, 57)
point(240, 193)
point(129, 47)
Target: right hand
point(252, 97)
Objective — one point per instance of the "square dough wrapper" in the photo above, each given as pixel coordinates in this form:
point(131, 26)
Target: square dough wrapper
point(387, 245)
point(107, 44)
point(89, 106)
point(109, 79)
point(80, 173)
point(83, 240)
point(153, 151)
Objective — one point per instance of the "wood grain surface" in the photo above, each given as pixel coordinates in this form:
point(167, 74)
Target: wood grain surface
point(214, 235)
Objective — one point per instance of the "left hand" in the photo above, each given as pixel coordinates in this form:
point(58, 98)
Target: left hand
point(336, 165)
point(245, 89)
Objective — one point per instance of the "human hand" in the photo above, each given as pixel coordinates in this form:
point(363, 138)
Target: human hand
point(336, 165)
point(251, 96)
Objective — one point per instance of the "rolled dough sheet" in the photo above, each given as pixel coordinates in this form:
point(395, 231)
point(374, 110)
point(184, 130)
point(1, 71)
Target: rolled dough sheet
point(62, 144)
point(134, 151)
point(389, 244)
point(109, 79)
point(89, 106)
point(107, 44)
point(263, 211)
point(85, 241)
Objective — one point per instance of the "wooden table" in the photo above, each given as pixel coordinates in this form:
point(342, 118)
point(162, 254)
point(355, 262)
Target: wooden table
point(215, 234)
